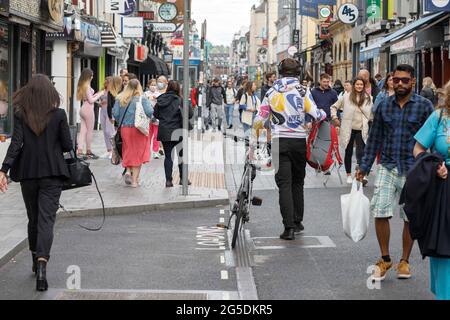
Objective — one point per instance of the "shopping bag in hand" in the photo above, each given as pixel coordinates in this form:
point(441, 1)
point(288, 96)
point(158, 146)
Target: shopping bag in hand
point(355, 208)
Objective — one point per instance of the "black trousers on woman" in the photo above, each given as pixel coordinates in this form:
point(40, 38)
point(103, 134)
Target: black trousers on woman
point(41, 197)
point(169, 147)
point(360, 145)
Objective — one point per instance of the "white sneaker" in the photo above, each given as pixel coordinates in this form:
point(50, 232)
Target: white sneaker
point(349, 179)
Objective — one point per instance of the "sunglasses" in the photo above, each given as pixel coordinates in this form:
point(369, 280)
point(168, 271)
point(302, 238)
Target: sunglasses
point(404, 80)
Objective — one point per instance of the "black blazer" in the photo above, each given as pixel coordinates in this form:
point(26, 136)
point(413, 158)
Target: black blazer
point(33, 157)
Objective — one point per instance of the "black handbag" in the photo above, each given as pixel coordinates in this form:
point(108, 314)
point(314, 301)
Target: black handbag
point(81, 176)
point(118, 141)
point(79, 173)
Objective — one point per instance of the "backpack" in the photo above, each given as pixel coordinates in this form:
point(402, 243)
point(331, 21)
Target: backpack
point(322, 148)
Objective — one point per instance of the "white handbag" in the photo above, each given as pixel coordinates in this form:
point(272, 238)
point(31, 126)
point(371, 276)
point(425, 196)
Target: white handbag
point(141, 121)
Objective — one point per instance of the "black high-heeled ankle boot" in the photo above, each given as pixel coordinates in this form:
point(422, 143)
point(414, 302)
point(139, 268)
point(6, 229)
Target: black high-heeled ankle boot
point(41, 280)
point(34, 267)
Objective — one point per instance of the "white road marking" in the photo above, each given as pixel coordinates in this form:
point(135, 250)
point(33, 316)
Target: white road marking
point(222, 259)
point(224, 275)
point(222, 220)
point(222, 211)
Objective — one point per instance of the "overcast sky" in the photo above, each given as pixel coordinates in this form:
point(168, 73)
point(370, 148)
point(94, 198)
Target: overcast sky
point(225, 17)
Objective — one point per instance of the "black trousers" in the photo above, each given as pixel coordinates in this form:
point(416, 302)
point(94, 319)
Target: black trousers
point(360, 145)
point(41, 197)
point(289, 159)
point(169, 147)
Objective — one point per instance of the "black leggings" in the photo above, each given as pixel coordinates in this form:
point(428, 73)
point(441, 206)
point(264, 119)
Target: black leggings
point(169, 147)
point(360, 145)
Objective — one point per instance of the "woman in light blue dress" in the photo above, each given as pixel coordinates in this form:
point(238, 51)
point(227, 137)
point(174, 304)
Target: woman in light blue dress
point(436, 132)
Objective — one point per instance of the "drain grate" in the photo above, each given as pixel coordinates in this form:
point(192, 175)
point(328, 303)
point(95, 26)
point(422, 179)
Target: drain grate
point(128, 295)
point(300, 242)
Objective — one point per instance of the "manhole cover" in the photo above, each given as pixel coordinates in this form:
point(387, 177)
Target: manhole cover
point(128, 295)
point(299, 242)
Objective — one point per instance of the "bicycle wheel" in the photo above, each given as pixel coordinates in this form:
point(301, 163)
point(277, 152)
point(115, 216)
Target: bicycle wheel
point(239, 214)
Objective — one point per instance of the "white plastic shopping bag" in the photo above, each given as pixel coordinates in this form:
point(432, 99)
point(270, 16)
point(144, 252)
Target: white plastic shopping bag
point(355, 208)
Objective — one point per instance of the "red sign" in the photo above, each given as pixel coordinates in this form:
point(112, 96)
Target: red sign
point(265, 43)
point(324, 33)
point(147, 15)
point(177, 42)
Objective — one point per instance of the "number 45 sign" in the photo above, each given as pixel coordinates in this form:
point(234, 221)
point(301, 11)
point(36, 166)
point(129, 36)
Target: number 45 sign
point(348, 13)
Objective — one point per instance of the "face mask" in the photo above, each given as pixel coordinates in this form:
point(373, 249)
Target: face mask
point(161, 85)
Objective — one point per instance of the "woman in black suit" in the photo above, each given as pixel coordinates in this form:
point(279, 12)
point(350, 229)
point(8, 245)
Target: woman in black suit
point(35, 159)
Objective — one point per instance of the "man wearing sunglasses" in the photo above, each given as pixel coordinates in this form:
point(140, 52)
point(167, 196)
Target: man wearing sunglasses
point(396, 122)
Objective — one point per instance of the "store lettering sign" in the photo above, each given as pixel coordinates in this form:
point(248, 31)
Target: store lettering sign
point(115, 6)
point(132, 27)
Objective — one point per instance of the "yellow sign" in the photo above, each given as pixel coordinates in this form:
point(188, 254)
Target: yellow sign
point(55, 9)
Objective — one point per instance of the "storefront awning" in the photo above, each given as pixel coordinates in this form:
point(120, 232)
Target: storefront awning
point(154, 66)
point(427, 21)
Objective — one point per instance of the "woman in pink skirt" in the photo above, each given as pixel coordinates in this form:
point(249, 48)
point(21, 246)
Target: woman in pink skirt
point(136, 146)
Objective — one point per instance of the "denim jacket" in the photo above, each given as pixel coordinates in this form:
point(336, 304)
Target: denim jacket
point(119, 111)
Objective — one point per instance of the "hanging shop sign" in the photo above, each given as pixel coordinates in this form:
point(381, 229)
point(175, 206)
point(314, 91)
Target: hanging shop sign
point(4, 6)
point(162, 27)
point(348, 13)
point(309, 8)
point(132, 27)
point(292, 50)
point(437, 5)
point(373, 10)
point(324, 32)
point(130, 7)
point(55, 9)
point(115, 6)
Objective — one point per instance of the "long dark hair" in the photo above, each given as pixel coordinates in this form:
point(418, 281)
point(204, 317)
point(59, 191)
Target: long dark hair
point(358, 98)
point(36, 102)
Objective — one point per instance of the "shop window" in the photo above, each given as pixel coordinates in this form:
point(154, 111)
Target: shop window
point(5, 120)
point(345, 51)
point(340, 52)
point(350, 46)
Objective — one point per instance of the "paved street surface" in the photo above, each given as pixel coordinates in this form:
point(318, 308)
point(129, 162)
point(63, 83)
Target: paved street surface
point(182, 254)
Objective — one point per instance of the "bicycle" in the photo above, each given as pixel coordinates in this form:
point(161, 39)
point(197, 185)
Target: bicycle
point(245, 199)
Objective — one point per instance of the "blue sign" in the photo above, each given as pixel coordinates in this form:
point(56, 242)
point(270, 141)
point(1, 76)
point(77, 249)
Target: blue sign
point(130, 7)
point(310, 8)
point(90, 33)
point(437, 5)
